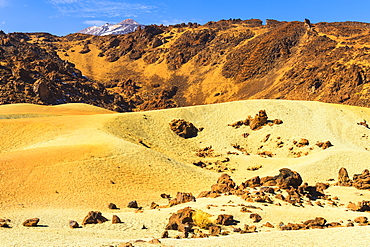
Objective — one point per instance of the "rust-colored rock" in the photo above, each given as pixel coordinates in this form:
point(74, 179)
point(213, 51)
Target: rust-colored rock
point(31, 222)
point(182, 197)
point(324, 145)
point(94, 217)
point(303, 142)
point(343, 178)
point(287, 178)
point(268, 224)
point(181, 221)
point(362, 181)
point(116, 219)
point(224, 184)
point(361, 219)
point(255, 217)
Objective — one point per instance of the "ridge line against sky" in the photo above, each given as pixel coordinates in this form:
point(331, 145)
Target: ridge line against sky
point(61, 17)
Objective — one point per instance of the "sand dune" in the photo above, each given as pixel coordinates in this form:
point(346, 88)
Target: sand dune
point(67, 160)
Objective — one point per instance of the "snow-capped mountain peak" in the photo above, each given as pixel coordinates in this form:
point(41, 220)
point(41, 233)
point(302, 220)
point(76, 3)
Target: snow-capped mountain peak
point(125, 26)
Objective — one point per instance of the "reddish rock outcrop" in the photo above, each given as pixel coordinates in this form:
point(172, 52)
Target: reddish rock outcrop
point(224, 184)
point(343, 178)
point(94, 217)
point(181, 221)
point(182, 197)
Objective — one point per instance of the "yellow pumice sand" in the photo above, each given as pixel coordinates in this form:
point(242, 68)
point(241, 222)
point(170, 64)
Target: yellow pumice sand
point(57, 163)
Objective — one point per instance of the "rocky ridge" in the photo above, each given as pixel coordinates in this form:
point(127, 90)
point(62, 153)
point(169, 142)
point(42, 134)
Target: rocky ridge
point(159, 67)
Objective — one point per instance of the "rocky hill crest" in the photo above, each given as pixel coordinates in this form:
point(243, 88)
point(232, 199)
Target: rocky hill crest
point(187, 64)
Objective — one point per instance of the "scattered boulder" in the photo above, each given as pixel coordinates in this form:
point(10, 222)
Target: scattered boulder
point(112, 206)
point(183, 128)
point(361, 219)
point(31, 222)
point(324, 145)
point(165, 196)
point(181, 221)
point(205, 152)
point(303, 142)
point(363, 206)
point(255, 123)
point(73, 224)
point(225, 220)
point(165, 234)
point(255, 217)
point(4, 223)
point(362, 181)
point(94, 217)
point(224, 184)
point(154, 205)
point(182, 197)
point(259, 120)
point(132, 204)
point(288, 178)
point(363, 123)
point(318, 222)
point(343, 178)
point(268, 224)
point(116, 220)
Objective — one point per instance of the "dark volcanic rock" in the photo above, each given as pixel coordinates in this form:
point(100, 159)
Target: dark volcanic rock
point(183, 128)
point(225, 219)
point(132, 204)
point(73, 224)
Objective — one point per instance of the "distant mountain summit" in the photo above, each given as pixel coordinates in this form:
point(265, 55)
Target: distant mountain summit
point(125, 26)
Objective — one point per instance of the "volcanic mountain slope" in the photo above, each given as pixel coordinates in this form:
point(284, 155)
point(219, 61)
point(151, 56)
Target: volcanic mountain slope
point(160, 67)
point(232, 60)
point(32, 74)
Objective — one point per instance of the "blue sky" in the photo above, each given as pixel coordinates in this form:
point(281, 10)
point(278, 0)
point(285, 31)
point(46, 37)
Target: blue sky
point(61, 17)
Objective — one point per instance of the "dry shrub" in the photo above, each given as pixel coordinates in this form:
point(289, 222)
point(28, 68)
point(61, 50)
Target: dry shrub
point(202, 219)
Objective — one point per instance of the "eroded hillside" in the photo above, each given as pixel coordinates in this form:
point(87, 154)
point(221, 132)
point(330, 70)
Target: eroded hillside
point(188, 64)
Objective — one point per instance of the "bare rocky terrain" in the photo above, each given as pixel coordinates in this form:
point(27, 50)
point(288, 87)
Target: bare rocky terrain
point(159, 67)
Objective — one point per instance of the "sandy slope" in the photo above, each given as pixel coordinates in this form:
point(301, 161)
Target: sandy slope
point(59, 162)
